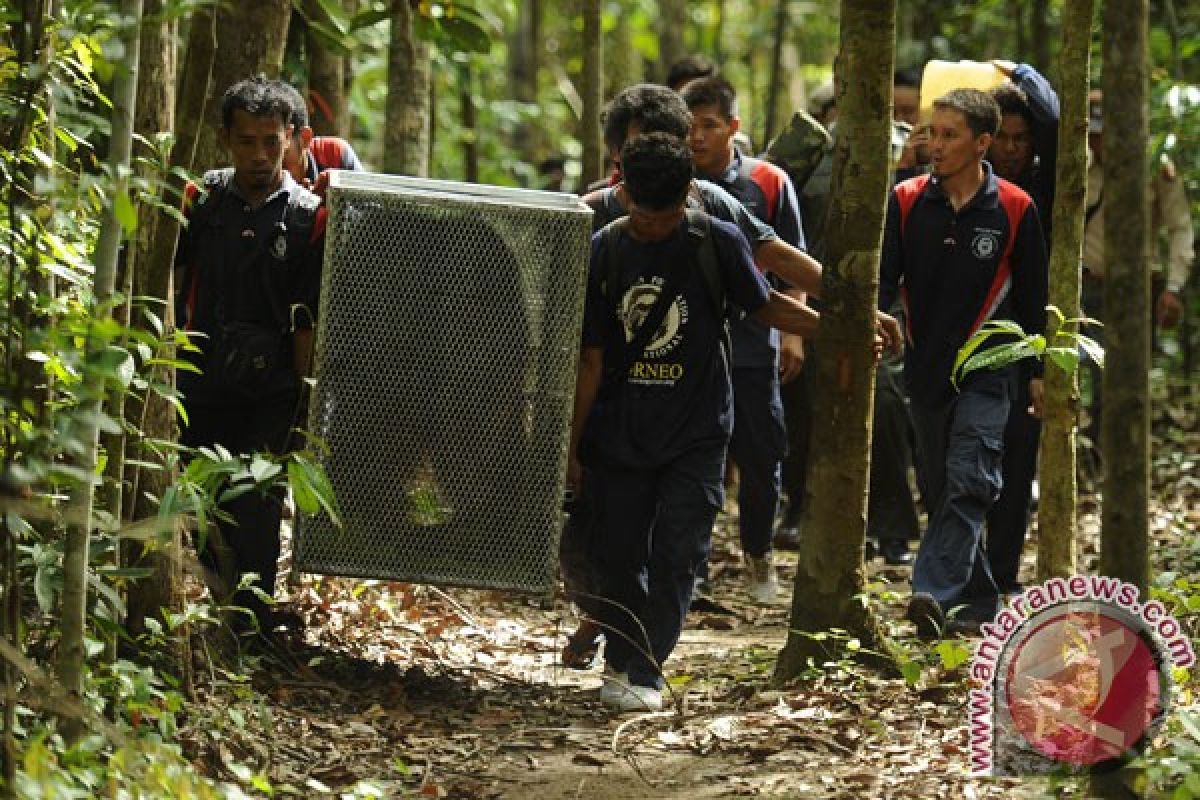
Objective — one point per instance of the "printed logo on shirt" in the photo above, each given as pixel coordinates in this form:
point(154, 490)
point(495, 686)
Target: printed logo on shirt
point(636, 305)
point(985, 244)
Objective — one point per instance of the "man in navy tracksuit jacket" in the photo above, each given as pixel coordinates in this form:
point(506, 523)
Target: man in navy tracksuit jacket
point(760, 359)
point(962, 247)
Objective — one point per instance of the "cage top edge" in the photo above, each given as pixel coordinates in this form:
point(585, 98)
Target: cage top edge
point(345, 180)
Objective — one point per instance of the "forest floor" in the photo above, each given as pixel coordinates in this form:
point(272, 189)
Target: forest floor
point(413, 691)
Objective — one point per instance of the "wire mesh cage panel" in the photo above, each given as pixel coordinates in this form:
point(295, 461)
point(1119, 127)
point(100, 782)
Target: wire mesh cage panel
point(447, 343)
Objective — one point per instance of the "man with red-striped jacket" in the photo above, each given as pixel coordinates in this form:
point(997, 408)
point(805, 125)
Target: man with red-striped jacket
point(761, 358)
point(962, 247)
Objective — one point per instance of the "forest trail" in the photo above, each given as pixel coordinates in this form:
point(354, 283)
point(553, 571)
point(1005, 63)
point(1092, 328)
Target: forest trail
point(458, 694)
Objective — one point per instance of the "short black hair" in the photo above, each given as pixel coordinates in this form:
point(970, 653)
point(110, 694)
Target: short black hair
point(1012, 100)
point(299, 118)
point(981, 111)
point(689, 68)
point(907, 77)
point(651, 107)
point(657, 170)
point(259, 96)
point(713, 91)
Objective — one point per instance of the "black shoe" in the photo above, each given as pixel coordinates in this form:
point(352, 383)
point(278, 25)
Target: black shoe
point(896, 553)
point(787, 537)
point(964, 626)
point(924, 612)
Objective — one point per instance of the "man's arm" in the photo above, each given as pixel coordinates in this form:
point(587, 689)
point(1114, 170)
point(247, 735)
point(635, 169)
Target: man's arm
point(587, 384)
point(791, 347)
point(1176, 217)
point(788, 315)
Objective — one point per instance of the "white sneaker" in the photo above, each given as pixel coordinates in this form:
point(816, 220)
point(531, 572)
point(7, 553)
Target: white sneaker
point(618, 693)
point(761, 580)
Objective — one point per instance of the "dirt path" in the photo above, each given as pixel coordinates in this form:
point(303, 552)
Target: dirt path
point(417, 691)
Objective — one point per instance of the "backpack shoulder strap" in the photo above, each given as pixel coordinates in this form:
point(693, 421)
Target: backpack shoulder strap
point(705, 255)
point(610, 280)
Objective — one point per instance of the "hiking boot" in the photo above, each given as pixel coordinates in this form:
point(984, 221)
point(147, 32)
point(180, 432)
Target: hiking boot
point(761, 580)
point(896, 553)
point(619, 694)
point(787, 536)
point(924, 612)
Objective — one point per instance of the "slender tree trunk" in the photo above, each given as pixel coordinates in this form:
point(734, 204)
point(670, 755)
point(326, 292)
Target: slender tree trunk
point(347, 122)
point(326, 81)
point(1056, 511)
point(672, 22)
point(1125, 426)
point(470, 134)
point(406, 136)
point(72, 656)
point(240, 55)
point(1039, 34)
point(593, 87)
point(150, 414)
point(775, 80)
point(830, 578)
point(523, 60)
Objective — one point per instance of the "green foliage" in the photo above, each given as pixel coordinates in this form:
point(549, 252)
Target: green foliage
point(1061, 346)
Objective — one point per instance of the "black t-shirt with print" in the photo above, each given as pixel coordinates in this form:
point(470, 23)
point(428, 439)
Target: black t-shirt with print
point(677, 393)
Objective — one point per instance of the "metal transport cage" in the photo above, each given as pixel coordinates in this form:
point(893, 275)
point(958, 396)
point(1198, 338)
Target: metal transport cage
point(447, 345)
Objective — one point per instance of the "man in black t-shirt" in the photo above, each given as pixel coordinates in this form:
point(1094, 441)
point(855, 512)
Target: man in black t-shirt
point(651, 427)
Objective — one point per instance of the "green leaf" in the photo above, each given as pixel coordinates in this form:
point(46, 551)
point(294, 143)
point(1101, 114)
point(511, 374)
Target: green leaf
point(125, 212)
point(466, 34)
point(47, 582)
point(310, 485)
point(1065, 358)
point(952, 654)
point(997, 357)
point(911, 671)
point(1093, 349)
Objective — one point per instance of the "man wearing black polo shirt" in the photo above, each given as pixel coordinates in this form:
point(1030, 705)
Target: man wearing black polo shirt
point(653, 413)
point(760, 358)
point(249, 259)
point(962, 247)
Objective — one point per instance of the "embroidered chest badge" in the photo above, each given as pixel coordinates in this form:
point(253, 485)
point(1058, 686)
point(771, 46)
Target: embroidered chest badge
point(984, 245)
point(279, 246)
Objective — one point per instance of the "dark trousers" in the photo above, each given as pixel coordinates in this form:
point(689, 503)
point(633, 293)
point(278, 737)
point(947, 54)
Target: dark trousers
point(250, 537)
point(758, 444)
point(797, 407)
point(960, 443)
point(891, 509)
point(653, 529)
point(1008, 519)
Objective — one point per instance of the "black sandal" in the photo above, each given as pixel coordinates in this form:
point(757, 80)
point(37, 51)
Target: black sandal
point(580, 650)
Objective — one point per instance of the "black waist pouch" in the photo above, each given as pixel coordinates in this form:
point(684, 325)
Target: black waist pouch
point(250, 360)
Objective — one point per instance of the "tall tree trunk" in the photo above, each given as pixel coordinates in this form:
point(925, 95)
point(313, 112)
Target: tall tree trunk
point(469, 133)
point(1125, 425)
point(326, 81)
point(830, 578)
point(152, 415)
point(1039, 34)
point(672, 22)
point(240, 56)
point(406, 135)
point(1056, 511)
point(524, 62)
point(775, 78)
point(593, 87)
point(347, 124)
point(718, 33)
point(72, 655)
